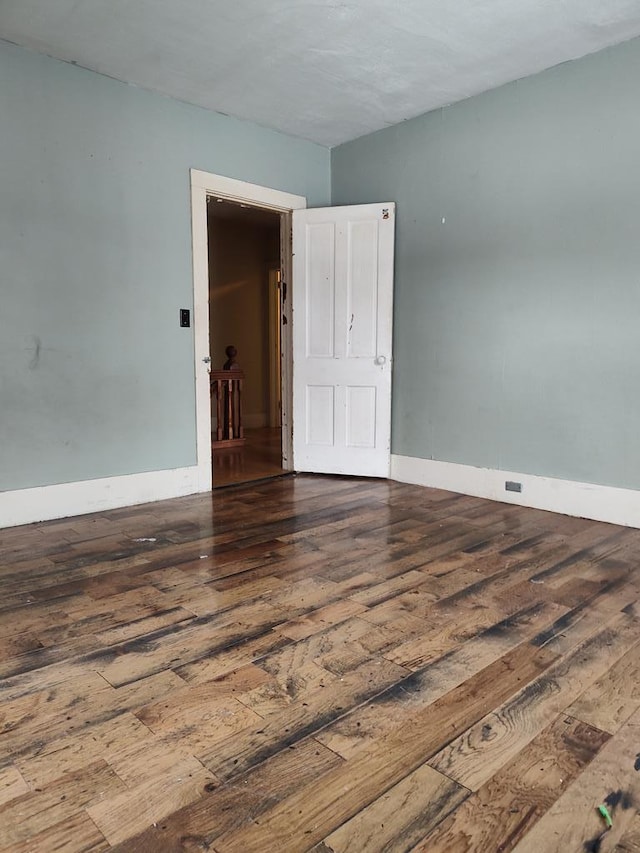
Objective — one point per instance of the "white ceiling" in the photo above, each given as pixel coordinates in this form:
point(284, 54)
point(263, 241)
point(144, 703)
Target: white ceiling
point(325, 70)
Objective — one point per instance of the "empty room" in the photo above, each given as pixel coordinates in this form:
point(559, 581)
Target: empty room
point(319, 417)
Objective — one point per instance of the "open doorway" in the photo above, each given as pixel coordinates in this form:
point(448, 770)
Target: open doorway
point(282, 204)
point(245, 312)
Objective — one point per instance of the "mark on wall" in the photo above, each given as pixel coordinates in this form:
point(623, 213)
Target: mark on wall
point(37, 347)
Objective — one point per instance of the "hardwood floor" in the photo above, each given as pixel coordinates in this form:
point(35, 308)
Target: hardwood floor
point(259, 458)
point(322, 664)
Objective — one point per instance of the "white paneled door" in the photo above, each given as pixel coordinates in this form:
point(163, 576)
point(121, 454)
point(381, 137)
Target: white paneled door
point(342, 327)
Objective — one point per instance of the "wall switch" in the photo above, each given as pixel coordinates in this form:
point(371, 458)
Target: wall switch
point(185, 318)
point(511, 486)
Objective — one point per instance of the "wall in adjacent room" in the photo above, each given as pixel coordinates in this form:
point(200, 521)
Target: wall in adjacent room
point(517, 289)
point(240, 255)
point(96, 377)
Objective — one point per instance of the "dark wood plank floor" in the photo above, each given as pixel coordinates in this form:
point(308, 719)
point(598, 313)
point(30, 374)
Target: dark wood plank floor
point(320, 664)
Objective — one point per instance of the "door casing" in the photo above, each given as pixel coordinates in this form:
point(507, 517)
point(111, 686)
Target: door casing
point(204, 184)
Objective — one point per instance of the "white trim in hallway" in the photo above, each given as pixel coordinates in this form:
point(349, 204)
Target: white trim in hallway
point(586, 500)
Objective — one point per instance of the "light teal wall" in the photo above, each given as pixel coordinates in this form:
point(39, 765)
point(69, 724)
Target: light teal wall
point(96, 377)
point(517, 290)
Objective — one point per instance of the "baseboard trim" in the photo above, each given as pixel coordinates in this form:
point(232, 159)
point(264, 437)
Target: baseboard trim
point(585, 500)
point(25, 506)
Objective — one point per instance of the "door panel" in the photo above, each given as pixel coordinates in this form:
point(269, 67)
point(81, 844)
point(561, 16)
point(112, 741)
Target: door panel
point(320, 286)
point(362, 290)
point(342, 322)
point(321, 415)
point(361, 416)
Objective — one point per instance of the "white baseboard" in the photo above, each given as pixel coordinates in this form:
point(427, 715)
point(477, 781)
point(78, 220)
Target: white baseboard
point(46, 502)
point(586, 500)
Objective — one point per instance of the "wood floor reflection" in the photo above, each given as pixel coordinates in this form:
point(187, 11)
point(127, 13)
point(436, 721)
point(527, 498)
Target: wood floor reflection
point(261, 457)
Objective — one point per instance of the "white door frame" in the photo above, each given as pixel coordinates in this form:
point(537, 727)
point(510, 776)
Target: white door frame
point(205, 184)
point(275, 347)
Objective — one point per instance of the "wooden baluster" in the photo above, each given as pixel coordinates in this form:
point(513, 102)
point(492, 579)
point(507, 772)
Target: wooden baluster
point(230, 407)
point(218, 393)
point(240, 427)
point(227, 387)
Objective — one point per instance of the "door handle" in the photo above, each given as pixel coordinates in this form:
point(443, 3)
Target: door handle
point(380, 359)
point(207, 359)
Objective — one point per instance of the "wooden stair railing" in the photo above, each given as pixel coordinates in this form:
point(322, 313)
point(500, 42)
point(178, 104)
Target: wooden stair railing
point(226, 387)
